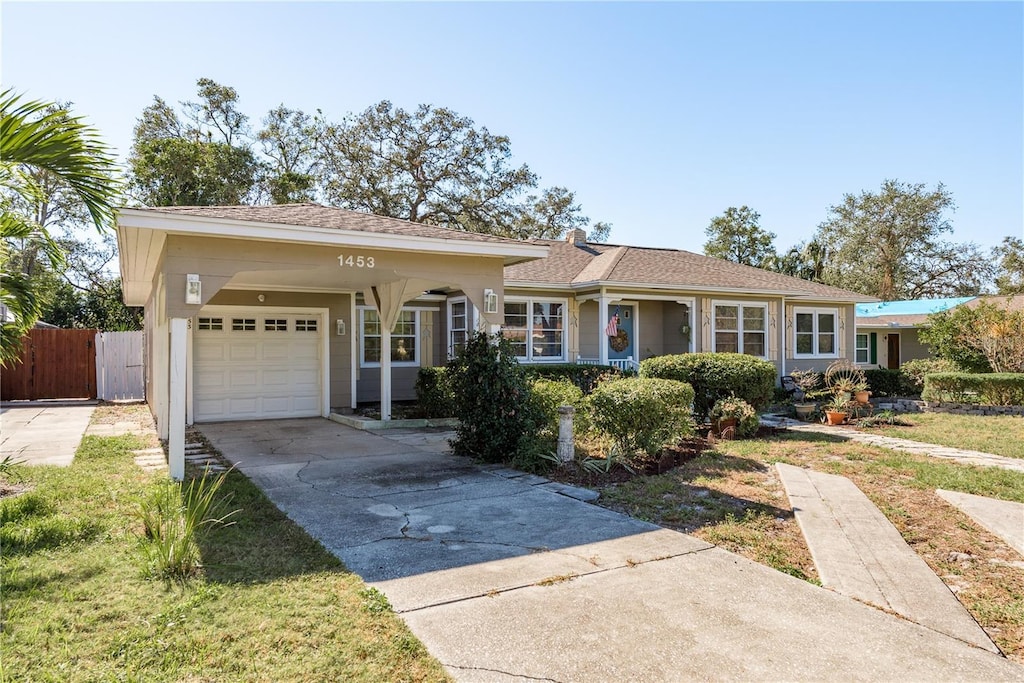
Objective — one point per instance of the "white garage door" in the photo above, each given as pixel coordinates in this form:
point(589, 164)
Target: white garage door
point(257, 365)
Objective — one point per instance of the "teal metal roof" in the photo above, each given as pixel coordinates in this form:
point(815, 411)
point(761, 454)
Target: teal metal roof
point(912, 307)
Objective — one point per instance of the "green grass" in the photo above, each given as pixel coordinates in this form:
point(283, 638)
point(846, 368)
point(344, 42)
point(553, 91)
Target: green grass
point(270, 604)
point(997, 434)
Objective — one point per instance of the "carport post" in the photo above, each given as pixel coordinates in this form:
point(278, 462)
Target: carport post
point(385, 372)
point(176, 404)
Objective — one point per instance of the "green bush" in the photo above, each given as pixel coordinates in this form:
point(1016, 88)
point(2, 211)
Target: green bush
point(642, 413)
point(994, 388)
point(549, 395)
point(717, 375)
point(434, 393)
point(498, 421)
point(884, 382)
point(912, 373)
point(746, 418)
point(586, 377)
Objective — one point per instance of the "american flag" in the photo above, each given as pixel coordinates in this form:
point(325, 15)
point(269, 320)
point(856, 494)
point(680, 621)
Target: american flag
point(613, 326)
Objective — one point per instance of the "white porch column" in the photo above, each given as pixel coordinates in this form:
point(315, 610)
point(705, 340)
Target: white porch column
point(385, 372)
point(176, 398)
point(602, 323)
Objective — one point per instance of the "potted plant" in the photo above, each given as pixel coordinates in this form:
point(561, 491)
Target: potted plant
point(806, 381)
point(837, 410)
point(732, 417)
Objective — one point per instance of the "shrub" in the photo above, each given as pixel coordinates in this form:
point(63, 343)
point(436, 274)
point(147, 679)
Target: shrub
point(586, 377)
point(995, 388)
point(434, 393)
point(912, 373)
point(716, 375)
point(174, 519)
point(738, 409)
point(497, 419)
point(642, 414)
point(884, 382)
point(548, 396)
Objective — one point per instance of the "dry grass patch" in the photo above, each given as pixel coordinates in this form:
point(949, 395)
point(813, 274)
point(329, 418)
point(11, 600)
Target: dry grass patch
point(997, 434)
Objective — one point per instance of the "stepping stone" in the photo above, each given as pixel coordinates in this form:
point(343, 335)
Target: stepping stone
point(859, 553)
point(1003, 518)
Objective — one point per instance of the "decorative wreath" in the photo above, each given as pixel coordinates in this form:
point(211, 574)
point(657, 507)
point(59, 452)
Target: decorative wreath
point(620, 341)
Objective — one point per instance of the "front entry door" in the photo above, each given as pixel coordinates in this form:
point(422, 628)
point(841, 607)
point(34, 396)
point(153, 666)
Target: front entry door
point(894, 351)
point(621, 347)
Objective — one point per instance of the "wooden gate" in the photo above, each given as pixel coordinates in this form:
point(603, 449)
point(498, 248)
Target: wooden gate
point(54, 364)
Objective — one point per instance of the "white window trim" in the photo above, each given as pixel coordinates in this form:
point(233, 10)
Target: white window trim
point(530, 300)
point(739, 324)
point(361, 346)
point(814, 334)
point(471, 321)
point(866, 348)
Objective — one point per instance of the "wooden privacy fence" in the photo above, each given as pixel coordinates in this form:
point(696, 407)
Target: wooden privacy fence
point(54, 364)
point(59, 363)
point(120, 366)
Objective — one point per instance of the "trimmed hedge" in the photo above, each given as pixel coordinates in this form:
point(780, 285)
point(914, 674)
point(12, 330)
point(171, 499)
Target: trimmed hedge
point(549, 395)
point(642, 414)
point(434, 392)
point(883, 382)
point(717, 375)
point(993, 388)
point(586, 377)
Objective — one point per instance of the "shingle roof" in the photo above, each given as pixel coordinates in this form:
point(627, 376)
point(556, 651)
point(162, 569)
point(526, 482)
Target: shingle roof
point(570, 264)
point(314, 215)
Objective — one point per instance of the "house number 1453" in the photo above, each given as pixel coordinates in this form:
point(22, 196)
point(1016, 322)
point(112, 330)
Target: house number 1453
point(356, 261)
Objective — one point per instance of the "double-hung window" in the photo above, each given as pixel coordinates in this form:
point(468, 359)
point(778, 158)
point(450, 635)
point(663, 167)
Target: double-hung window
point(741, 328)
point(404, 336)
point(815, 331)
point(536, 329)
point(862, 348)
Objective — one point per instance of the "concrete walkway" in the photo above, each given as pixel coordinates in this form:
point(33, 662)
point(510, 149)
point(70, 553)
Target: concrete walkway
point(1003, 518)
point(503, 578)
point(966, 457)
point(859, 553)
point(40, 433)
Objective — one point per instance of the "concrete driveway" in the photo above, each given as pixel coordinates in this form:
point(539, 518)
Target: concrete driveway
point(40, 433)
point(505, 579)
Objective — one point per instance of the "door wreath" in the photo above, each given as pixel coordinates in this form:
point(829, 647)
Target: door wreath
point(620, 342)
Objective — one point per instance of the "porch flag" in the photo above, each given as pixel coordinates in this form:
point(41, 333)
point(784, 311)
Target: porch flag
point(613, 324)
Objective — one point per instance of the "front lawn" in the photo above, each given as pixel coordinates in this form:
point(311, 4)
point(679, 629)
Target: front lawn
point(996, 434)
point(731, 496)
point(270, 603)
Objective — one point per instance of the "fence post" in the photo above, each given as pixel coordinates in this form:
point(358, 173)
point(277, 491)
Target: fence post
point(566, 443)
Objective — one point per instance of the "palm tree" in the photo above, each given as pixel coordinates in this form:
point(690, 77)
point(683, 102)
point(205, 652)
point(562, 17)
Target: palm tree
point(41, 137)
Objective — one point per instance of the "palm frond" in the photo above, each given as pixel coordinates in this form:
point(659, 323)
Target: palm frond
point(64, 145)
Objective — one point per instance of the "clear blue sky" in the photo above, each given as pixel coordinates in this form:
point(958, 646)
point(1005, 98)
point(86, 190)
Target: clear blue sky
point(659, 116)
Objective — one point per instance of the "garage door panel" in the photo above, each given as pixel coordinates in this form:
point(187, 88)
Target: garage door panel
point(258, 373)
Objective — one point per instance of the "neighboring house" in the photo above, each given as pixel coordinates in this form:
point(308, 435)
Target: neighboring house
point(887, 331)
point(284, 311)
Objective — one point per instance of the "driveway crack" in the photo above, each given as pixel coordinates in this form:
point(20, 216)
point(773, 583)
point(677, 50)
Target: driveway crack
point(504, 673)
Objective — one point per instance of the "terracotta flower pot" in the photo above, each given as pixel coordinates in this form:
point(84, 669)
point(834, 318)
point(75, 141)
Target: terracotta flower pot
point(835, 417)
point(862, 397)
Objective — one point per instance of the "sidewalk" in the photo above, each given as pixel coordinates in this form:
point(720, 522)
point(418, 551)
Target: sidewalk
point(40, 433)
point(906, 445)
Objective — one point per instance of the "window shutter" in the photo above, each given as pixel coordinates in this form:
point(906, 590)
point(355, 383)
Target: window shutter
point(873, 348)
point(707, 315)
point(772, 331)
